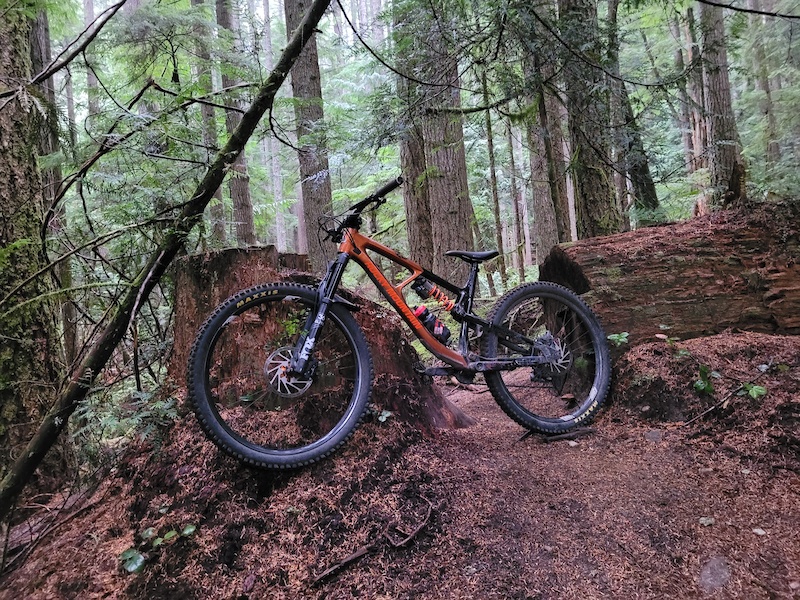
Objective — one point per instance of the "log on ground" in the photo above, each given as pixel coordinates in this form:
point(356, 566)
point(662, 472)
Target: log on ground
point(736, 270)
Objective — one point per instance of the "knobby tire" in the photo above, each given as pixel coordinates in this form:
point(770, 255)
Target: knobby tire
point(246, 404)
point(569, 389)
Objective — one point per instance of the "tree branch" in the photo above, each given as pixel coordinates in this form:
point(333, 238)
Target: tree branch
point(85, 374)
point(59, 63)
point(752, 11)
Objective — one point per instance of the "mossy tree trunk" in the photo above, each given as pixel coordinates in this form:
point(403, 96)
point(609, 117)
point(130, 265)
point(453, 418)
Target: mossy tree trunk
point(29, 352)
point(53, 424)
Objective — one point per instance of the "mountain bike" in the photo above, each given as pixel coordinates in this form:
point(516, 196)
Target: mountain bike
point(279, 375)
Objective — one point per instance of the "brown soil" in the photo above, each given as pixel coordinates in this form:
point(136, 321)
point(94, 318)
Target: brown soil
point(647, 506)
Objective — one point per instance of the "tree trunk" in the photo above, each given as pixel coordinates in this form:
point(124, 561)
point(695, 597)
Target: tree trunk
point(30, 350)
point(631, 163)
point(448, 196)
point(498, 220)
point(759, 58)
point(271, 149)
point(540, 63)
point(314, 172)
point(210, 137)
point(239, 182)
point(735, 269)
point(516, 201)
point(697, 96)
point(415, 197)
point(412, 151)
point(544, 214)
point(725, 150)
point(683, 116)
point(597, 212)
point(524, 212)
point(91, 78)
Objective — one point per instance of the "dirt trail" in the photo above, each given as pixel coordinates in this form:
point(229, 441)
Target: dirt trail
point(642, 508)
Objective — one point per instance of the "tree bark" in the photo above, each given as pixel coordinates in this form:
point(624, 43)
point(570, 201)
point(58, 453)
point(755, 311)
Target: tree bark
point(734, 269)
point(445, 161)
point(415, 197)
point(30, 348)
point(766, 105)
point(239, 182)
point(271, 149)
point(697, 96)
point(84, 375)
point(516, 199)
point(725, 149)
point(313, 154)
point(210, 135)
point(596, 209)
point(544, 214)
point(682, 115)
point(498, 219)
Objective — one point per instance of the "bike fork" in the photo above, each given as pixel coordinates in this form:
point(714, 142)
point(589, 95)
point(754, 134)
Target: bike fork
point(316, 319)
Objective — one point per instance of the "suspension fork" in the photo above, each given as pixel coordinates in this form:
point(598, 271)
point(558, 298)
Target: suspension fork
point(316, 319)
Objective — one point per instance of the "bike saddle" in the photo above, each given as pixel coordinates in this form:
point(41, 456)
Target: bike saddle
point(472, 257)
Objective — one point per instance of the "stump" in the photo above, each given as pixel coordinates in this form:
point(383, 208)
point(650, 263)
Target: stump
point(204, 281)
point(731, 270)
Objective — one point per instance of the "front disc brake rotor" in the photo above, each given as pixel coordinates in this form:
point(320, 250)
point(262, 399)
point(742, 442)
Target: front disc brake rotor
point(276, 370)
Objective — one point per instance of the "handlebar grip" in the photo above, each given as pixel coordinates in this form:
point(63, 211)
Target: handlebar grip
point(388, 187)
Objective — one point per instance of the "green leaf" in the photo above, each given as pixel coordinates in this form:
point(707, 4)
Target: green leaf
point(618, 338)
point(170, 534)
point(132, 560)
point(188, 530)
point(756, 391)
point(157, 542)
point(148, 533)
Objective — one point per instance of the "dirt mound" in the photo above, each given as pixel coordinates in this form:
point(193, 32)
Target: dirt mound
point(747, 382)
point(646, 506)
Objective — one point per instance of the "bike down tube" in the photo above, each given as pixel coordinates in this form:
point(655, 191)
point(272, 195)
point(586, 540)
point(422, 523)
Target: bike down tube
point(355, 246)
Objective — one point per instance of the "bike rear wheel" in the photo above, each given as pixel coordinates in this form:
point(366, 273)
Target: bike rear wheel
point(550, 322)
point(242, 394)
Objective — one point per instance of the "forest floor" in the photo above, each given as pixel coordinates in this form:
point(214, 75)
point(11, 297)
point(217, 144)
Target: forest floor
point(648, 505)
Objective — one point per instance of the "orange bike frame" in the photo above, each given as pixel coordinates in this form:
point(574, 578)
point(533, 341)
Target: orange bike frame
point(356, 246)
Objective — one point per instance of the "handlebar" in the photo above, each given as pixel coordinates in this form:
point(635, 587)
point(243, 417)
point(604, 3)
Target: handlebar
point(387, 187)
point(353, 214)
point(377, 195)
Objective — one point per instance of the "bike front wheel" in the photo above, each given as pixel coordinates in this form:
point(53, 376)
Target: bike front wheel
point(561, 338)
point(241, 390)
